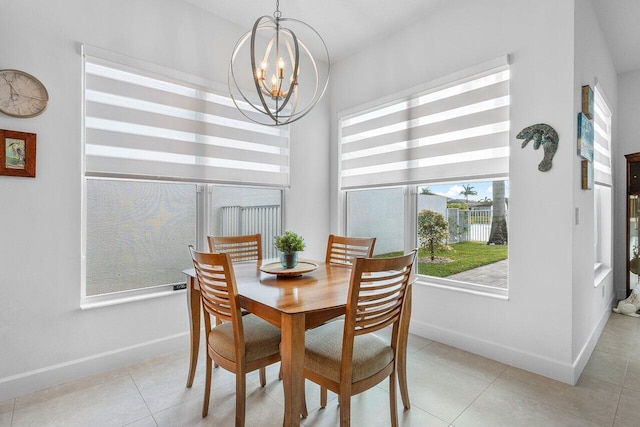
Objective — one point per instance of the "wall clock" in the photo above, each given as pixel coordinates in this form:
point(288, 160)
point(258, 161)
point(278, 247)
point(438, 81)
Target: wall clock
point(21, 94)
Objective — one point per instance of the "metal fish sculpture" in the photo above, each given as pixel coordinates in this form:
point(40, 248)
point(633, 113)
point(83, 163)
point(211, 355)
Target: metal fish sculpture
point(541, 134)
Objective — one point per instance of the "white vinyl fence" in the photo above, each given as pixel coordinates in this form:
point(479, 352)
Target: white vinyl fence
point(469, 225)
point(243, 220)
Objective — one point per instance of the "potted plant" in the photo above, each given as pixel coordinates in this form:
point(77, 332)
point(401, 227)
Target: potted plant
point(289, 244)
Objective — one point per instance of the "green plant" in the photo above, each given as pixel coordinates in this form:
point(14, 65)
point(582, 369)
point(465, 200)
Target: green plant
point(433, 231)
point(289, 242)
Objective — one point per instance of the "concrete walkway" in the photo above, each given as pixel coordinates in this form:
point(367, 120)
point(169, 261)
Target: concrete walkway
point(495, 275)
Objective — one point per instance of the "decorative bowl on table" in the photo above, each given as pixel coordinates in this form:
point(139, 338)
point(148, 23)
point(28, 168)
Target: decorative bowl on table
point(280, 271)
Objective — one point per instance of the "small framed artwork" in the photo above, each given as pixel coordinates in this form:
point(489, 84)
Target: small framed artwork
point(587, 101)
point(585, 137)
point(587, 174)
point(17, 153)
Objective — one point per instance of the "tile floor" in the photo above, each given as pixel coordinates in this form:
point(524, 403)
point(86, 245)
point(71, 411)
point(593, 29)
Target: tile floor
point(448, 387)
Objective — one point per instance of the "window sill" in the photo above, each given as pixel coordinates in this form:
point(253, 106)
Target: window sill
point(466, 287)
point(600, 274)
point(117, 298)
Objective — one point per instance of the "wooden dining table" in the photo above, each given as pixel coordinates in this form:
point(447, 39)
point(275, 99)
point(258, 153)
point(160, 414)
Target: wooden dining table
point(293, 304)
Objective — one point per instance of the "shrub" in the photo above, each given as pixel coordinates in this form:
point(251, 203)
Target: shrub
point(433, 231)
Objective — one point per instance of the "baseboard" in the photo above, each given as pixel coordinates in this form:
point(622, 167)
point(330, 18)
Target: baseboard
point(38, 379)
point(590, 345)
point(520, 359)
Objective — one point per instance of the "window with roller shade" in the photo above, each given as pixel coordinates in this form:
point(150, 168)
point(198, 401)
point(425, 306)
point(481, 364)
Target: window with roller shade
point(603, 181)
point(157, 145)
point(446, 134)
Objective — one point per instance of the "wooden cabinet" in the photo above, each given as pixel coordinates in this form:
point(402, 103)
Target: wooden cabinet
point(633, 216)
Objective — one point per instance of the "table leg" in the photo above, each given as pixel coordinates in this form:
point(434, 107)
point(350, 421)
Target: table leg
point(193, 301)
point(292, 355)
point(403, 338)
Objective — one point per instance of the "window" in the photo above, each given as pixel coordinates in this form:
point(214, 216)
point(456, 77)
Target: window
point(378, 212)
point(442, 137)
point(602, 197)
point(168, 160)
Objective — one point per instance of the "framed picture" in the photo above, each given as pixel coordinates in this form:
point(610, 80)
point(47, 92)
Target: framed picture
point(17, 153)
point(585, 137)
point(587, 101)
point(587, 175)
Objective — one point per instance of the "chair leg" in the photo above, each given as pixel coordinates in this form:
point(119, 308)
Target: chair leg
point(280, 372)
point(218, 322)
point(263, 377)
point(402, 377)
point(304, 411)
point(241, 391)
point(207, 388)
point(323, 397)
point(345, 409)
point(392, 400)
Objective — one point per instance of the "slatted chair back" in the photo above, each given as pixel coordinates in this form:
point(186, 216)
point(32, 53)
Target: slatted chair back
point(376, 294)
point(343, 250)
point(239, 248)
point(218, 288)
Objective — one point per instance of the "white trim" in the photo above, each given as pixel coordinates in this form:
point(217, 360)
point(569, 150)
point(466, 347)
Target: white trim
point(466, 287)
point(48, 376)
point(116, 298)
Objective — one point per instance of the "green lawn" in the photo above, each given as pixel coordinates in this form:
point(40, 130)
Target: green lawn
point(464, 256)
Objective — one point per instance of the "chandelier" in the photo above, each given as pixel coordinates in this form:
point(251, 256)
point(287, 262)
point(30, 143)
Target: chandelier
point(274, 79)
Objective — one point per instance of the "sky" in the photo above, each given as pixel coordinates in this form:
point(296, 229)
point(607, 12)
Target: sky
point(484, 189)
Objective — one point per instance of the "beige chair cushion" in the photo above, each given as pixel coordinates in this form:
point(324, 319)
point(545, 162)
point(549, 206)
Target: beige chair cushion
point(261, 339)
point(323, 352)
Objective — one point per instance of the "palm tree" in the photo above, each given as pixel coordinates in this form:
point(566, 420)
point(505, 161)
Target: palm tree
point(468, 191)
point(425, 190)
point(498, 235)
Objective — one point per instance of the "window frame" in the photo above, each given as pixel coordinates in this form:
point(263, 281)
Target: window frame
point(203, 186)
point(410, 189)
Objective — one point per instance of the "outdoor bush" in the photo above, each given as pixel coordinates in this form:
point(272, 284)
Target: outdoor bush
point(433, 231)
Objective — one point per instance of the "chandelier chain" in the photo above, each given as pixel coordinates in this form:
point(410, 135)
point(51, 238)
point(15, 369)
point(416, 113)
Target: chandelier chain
point(277, 14)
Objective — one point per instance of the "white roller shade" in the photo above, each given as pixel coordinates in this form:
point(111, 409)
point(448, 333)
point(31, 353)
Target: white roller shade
point(141, 123)
point(452, 131)
point(601, 140)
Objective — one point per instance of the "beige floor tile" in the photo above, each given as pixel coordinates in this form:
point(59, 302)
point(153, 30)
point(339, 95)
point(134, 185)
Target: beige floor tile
point(275, 390)
point(144, 422)
point(611, 343)
point(414, 342)
point(93, 402)
point(606, 367)
point(371, 409)
point(469, 363)
point(6, 412)
point(162, 381)
point(499, 407)
point(439, 389)
point(592, 399)
point(627, 415)
point(261, 410)
point(632, 377)
point(625, 327)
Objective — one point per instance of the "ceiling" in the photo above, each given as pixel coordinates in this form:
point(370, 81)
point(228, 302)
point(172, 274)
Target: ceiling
point(346, 25)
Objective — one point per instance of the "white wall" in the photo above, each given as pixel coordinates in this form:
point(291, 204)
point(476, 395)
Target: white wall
point(591, 305)
point(627, 142)
point(44, 336)
point(533, 329)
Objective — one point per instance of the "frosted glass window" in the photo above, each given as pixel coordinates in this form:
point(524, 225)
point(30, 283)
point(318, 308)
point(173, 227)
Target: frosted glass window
point(138, 234)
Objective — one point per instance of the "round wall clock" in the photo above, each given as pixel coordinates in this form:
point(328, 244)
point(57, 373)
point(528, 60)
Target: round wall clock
point(21, 94)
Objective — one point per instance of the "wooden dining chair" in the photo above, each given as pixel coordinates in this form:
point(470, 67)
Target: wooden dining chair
point(239, 248)
point(343, 250)
point(240, 344)
point(344, 356)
